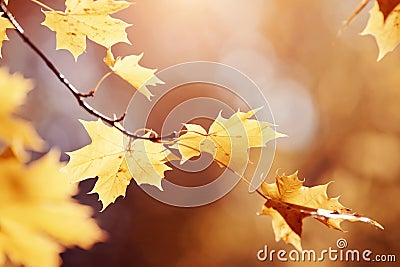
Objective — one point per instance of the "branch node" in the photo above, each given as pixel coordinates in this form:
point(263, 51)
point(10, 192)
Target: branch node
point(85, 95)
point(121, 118)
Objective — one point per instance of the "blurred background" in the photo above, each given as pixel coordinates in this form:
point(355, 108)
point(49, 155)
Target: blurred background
point(339, 107)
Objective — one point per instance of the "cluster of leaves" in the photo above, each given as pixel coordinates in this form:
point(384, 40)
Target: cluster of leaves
point(289, 202)
point(115, 161)
point(90, 19)
point(38, 216)
point(37, 221)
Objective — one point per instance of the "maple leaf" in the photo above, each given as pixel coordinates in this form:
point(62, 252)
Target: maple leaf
point(108, 159)
point(387, 6)
point(147, 160)
point(87, 18)
point(14, 131)
point(4, 25)
point(227, 139)
point(39, 217)
point(289, 202)
point(190, 142)
point(128, 68)
point(102, 158)
point(386, 30)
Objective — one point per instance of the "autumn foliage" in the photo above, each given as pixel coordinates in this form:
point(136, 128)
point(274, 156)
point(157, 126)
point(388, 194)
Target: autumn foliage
point(39, 217)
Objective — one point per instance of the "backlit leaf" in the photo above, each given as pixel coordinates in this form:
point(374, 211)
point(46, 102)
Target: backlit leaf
point(14, 131)
point(289, 202)
point(4, 25)
point(386, 31)
point(229, 139)
point(114, 162)
point(39, 217)
point(128, 68)
point(87, 18)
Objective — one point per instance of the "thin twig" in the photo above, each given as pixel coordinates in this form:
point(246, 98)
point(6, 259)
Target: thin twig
point(252, 187)
point(242, 178)
point(94, 90)
point(75, 92)
point(355, 13)
point(42, 5)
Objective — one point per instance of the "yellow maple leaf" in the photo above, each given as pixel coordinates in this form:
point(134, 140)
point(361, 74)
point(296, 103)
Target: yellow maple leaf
point(87, 18)
point(385, 30)
point(128, 68)
point(190, 142)
point(387, 6)
point(102, 158)
point(4, 25)
point(146, 161)
point(227, 139)
point(289, 202)
point(108, 158)
point(39, 217)
point(14, 131)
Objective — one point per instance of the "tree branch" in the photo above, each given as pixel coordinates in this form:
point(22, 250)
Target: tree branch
point(75, 92)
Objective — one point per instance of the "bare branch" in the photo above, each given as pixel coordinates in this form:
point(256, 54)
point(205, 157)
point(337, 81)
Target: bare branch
point(347, 22)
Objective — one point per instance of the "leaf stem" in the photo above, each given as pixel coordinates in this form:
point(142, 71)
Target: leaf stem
point(42, 5)
point(241, 176)
point(94, 90)
point(255, 189)
point(355, 13)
